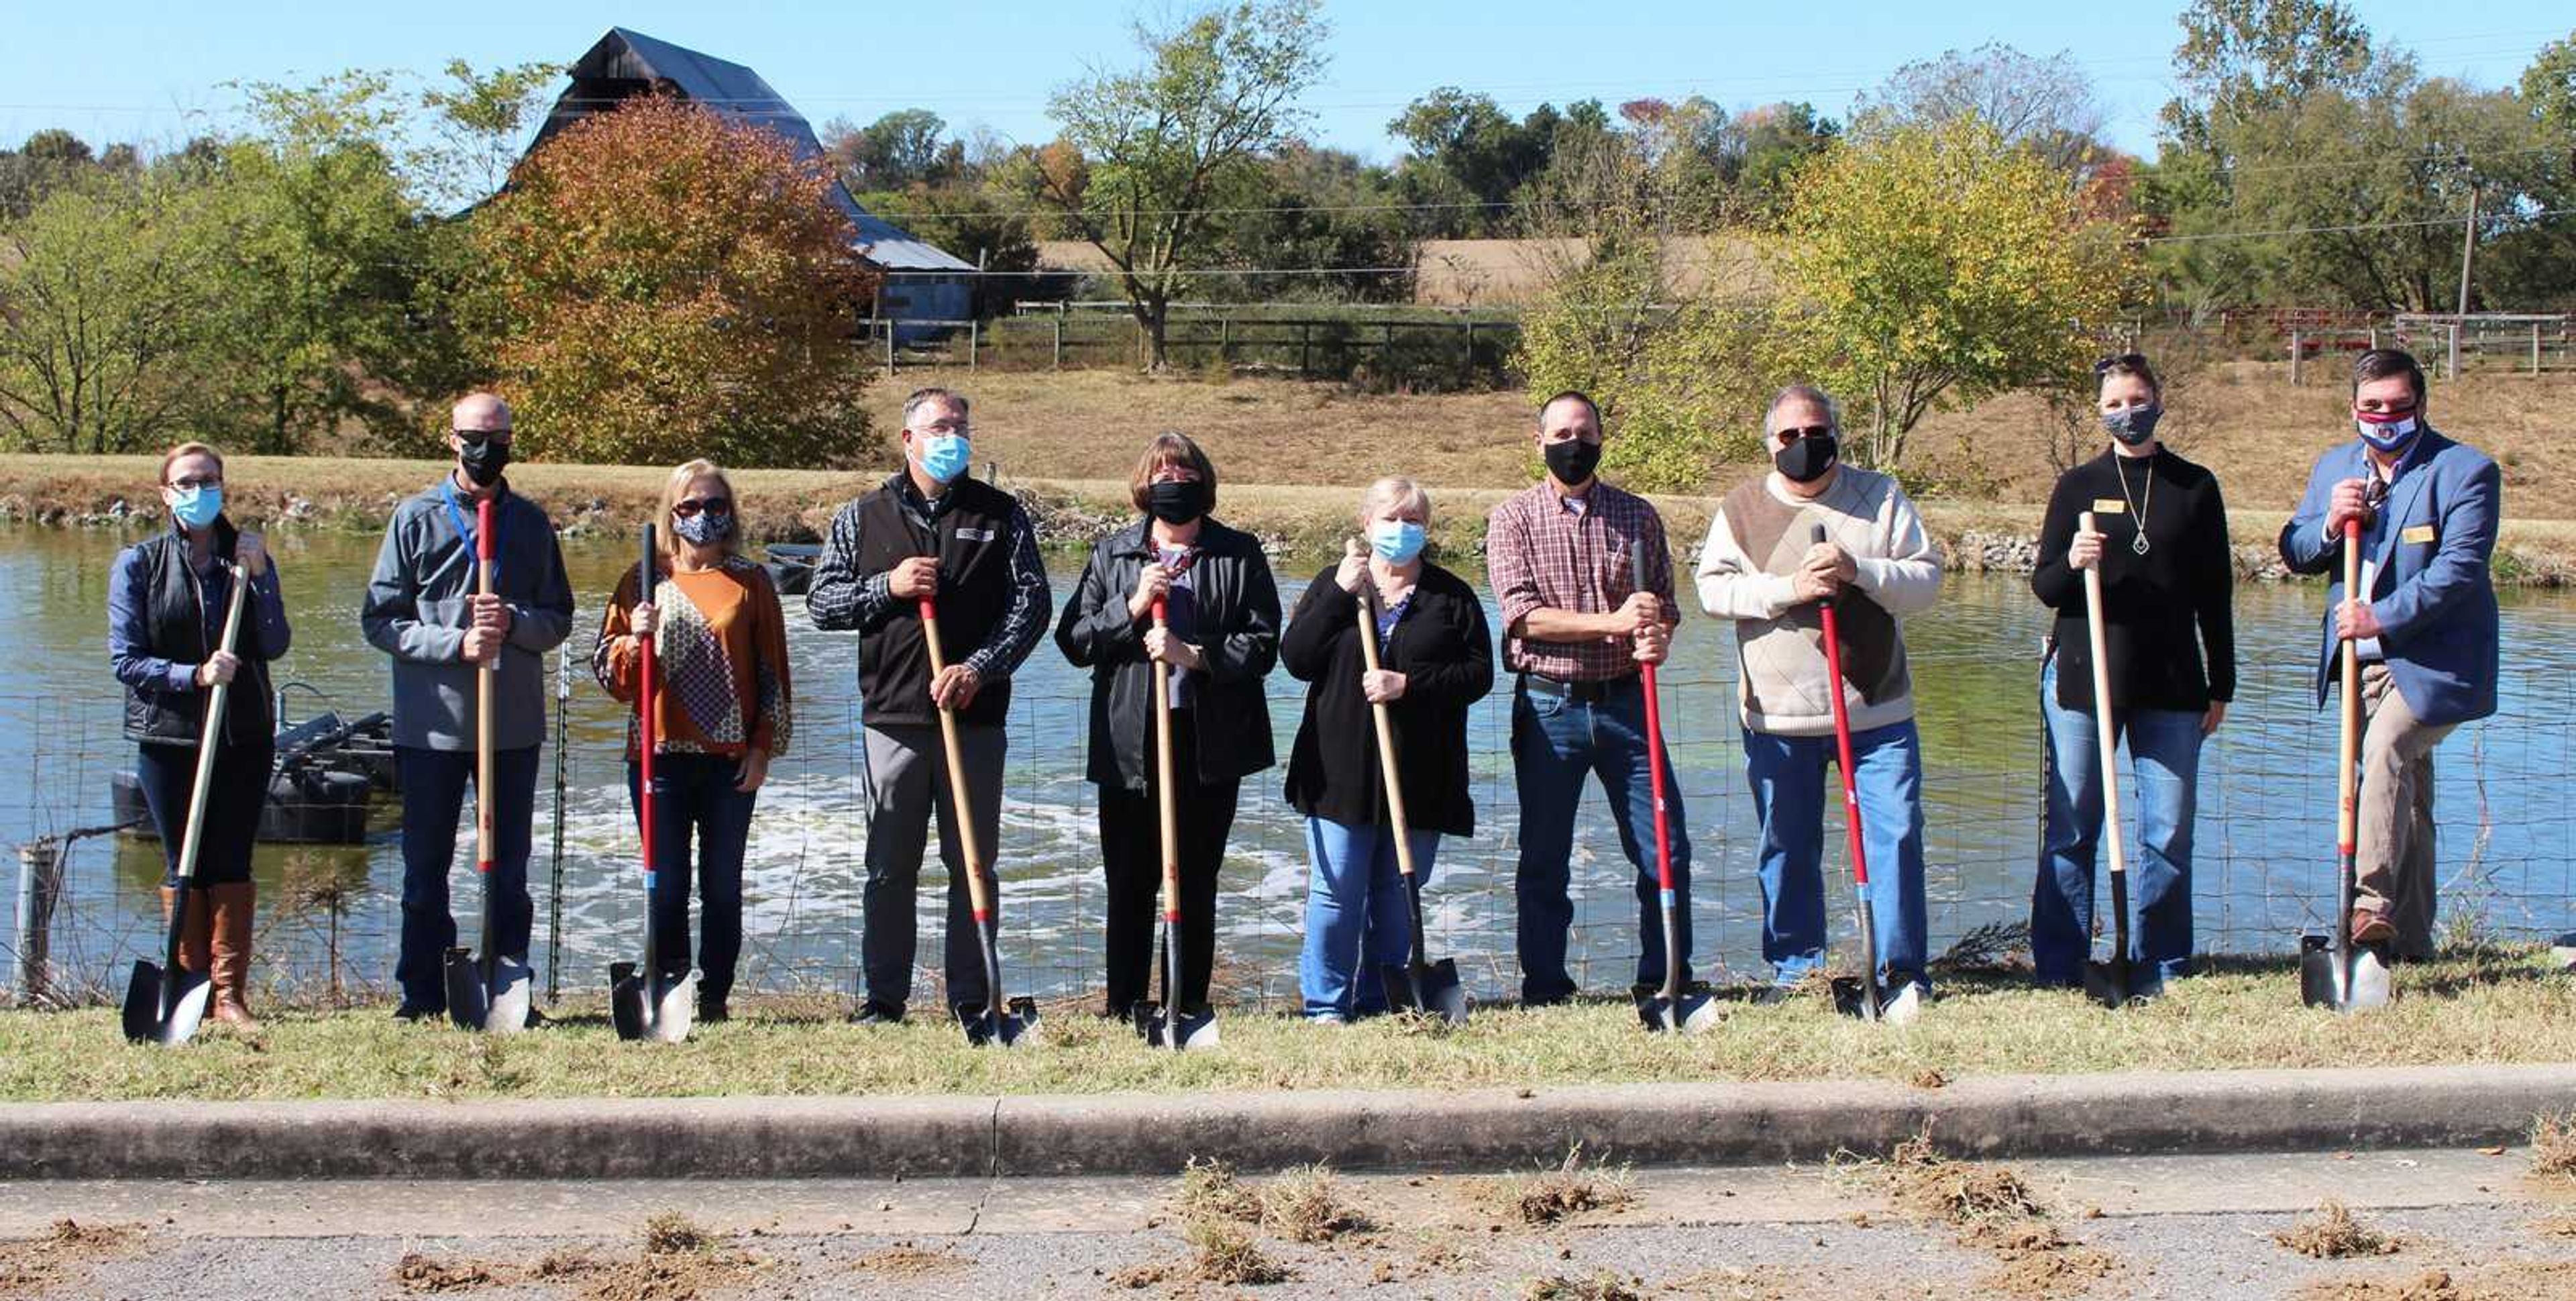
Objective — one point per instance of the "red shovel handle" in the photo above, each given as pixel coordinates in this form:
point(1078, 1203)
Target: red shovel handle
point(1842, 735)
point(1655, 775)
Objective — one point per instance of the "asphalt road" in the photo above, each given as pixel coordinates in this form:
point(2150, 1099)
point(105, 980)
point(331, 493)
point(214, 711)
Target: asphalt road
point(2161, 1227)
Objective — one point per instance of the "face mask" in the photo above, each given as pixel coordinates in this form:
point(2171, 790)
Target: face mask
point(484, 461)
point(2386, 430)
point(1175, 501)
point(1396, 542)
point(197, 507)
point(702, 528)
point(944, 456)
point(2133, 426)
point(1573, 461)
point(1807, 459)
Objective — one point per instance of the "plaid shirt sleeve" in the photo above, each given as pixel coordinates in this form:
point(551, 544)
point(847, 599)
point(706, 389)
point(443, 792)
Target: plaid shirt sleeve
point(1509, 568)
point(1025, 621)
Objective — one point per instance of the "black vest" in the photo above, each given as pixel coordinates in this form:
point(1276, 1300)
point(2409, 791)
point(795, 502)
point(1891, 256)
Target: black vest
point(174, 613)
point(973, 543)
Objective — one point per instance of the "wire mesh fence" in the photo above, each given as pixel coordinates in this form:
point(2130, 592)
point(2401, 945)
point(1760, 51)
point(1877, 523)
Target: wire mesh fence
point(329, 914)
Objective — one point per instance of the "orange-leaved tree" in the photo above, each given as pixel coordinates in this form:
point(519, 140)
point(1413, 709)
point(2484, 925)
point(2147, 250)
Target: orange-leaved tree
point(659, 283)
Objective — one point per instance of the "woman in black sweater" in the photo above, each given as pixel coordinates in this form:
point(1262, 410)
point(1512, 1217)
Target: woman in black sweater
point(2160, 540)
point(1220, 635)
point(1437, 659)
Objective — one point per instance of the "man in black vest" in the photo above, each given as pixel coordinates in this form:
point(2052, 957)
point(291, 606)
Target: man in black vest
point(931, 532)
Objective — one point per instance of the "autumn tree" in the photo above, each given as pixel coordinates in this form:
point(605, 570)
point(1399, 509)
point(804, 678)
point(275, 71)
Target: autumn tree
point(661, 283)
point(1148, 155)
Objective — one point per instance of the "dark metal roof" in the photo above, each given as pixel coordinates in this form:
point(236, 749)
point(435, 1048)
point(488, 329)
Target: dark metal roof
point(628, 63)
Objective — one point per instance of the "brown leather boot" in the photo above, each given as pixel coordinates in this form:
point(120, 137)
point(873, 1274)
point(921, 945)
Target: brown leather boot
point(232, 929)
point(196, 942)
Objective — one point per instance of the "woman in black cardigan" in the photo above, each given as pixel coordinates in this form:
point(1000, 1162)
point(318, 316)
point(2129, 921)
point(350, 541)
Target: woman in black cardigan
point(2160, 540)
point(1221, 638)
point(1437, 659)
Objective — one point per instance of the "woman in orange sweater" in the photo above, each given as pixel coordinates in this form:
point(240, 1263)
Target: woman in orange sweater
point(721, 714)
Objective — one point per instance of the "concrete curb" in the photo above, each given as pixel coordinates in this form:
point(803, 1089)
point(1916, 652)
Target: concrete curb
point(1650, 1124)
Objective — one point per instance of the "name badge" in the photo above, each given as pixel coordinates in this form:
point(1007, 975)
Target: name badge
point(2110, 506)
point(2419, 533)
point(974, 535)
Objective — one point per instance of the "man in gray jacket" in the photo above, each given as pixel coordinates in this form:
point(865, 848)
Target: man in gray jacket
point(422, 609)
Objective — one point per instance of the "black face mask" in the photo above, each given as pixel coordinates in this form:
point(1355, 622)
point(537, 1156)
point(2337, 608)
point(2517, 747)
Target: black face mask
point(1807, 459)
point(483, 461)
point(1573, 461)
point(1176, 501)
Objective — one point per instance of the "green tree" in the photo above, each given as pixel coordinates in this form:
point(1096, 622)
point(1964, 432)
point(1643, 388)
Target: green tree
point(1149, 153)
point(661, 283)
point(901, 149)
point(1937, 265)
point(2046, 105)
point(103, 299)
point(480, 121)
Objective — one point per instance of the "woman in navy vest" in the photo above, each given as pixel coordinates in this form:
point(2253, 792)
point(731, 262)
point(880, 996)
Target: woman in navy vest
point(1221, 640)
point(165, 614)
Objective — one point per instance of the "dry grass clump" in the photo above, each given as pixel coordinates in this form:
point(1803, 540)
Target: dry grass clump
point(1210, 1190)
point(416, 1272)
point(1223, 1252)
point(669, 1233)
point(1922, 1181)
point(2331, 1233)
point(1306, 1205)
point(1601, 1286)
point(1549, 1196)
point(2553, 1145)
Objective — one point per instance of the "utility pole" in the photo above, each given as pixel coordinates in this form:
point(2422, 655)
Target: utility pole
point(2468, 250)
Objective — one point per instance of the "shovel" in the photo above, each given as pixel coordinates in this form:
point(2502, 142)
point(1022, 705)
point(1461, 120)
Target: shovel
point(489, 993)
point(2107, 983)
point(165, 1002)
point(1670, 1008)
point(1167, 1024)
point(1006, 1022)
point(1416, 984)
point(2332, 971)
point(1855, 997)
point(646, 1004)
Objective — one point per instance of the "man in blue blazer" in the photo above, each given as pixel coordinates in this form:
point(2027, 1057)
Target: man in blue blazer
point(2425, 620)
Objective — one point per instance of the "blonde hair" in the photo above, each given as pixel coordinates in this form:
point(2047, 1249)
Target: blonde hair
point(682, 476)
point(1397, 491)
point(185, 450)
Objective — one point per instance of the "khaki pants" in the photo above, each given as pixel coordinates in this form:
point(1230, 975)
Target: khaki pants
point(2393, 847)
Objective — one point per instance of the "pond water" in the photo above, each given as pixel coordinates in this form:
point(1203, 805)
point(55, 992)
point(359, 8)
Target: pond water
point(2266, 860)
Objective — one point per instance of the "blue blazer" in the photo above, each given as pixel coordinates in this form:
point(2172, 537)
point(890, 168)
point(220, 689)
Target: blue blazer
point(2431, 542)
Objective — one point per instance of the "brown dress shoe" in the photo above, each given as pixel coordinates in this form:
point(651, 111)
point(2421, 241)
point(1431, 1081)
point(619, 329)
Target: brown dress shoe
point(233, 906)
point(2369, 927)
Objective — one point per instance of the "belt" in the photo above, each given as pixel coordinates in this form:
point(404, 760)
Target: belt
point(1591, 692)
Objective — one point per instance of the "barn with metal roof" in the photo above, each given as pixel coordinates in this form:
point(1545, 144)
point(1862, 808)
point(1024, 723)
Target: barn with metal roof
point(923, 282)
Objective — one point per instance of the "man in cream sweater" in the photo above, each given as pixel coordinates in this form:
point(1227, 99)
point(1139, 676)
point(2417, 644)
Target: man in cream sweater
point(1761, 568)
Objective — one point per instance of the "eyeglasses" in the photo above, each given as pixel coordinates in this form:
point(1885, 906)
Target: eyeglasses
point(1796, 432)
point(197, 485)
point(688, 507)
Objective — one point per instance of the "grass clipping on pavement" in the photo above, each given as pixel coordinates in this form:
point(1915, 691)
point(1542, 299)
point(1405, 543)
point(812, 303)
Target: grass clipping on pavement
point(2490, 1005)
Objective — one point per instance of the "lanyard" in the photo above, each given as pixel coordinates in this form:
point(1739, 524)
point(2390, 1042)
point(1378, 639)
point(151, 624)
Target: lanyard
point(456, 516)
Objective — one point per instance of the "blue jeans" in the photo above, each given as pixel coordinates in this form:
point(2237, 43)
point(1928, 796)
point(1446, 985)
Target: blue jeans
point(2164, 756)
point(1556, 742)
point(1788, 776)
point(433, 786)
point(694, 793)
point(1358, 917)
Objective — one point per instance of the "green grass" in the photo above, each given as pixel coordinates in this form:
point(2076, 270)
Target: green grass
point(2489, 1005)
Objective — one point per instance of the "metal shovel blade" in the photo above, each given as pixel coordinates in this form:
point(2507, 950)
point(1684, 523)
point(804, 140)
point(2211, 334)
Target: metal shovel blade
point(1431, 988)
point(2322, 982)
point(675, 1007)
point(1858, 996)
point(468, 1003)
point(2107, 983)
point(507, 999)
point(143, 1023)
point(626, 1012)
point(1180, 1032)
point(1013, 1024)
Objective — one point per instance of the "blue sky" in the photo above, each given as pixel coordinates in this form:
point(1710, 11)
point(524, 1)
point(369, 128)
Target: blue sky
point(149, 71)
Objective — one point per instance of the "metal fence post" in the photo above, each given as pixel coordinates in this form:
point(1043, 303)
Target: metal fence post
point(2295, 350)
point(974, 341)
point(40, 887)
point(1056, 361)
point(889, 329)
point(2535, 348)
point(2452, 371)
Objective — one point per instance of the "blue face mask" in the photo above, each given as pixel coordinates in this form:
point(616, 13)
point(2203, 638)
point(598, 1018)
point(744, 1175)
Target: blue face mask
point(1396, 542)
point(944, 456)
point(197, 507)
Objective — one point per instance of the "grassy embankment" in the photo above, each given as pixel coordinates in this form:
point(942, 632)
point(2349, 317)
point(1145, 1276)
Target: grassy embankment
point(1291, 457)
point(2487, 1006)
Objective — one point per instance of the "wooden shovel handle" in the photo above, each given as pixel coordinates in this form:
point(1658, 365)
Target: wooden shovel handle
point(1385, 725)
point(977, 894)
point(2105, 739)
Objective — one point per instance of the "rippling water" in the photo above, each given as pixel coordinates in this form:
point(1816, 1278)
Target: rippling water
point(2265, 867)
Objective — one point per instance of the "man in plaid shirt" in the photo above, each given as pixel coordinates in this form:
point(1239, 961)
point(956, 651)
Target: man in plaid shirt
point(1575, 628)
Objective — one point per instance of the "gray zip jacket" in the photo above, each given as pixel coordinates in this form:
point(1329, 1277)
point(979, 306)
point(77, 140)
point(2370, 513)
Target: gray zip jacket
point(416, 611)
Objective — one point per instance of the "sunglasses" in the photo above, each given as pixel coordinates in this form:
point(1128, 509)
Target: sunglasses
point(2128, 360)
point(1795, 432)
point(688, 507)
point(478, 437)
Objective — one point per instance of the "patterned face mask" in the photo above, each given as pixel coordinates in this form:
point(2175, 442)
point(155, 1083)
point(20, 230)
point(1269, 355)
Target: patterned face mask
point(704, 527)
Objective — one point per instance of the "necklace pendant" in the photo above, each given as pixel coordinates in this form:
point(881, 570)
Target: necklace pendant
point(2140, 545)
